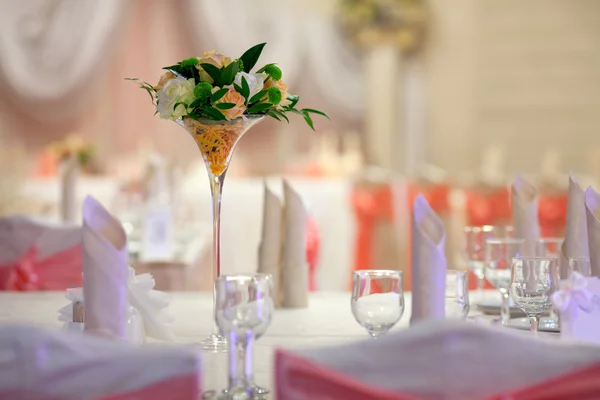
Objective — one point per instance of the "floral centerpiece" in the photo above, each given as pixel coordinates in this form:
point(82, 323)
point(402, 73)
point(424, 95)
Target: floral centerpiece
point(217, 99)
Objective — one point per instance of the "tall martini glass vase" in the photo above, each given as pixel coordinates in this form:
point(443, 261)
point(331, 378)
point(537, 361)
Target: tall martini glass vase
point(216, 141)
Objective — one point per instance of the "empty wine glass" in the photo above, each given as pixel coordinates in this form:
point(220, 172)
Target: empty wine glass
point(549, 247)
point(377, 300)
point(533, 281)
point(498, 259)
point(244, 305)
point(581, 265)
point(473, 244)
point(457, 294)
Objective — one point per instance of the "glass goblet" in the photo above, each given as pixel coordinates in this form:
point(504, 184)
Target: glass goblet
point(377, 300)
point(457, 294)
point(533, 282)
point(244, 304)
point(498, 259)
point(581, 265)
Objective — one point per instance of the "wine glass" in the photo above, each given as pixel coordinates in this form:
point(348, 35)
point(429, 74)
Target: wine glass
point(244, 305)
point(377, 300)
point(472, 248)
point(533, 281)
point(581, 265)
point(498, 259)
point(457, 294)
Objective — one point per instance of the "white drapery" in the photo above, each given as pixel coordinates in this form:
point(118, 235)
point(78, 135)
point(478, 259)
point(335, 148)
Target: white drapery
point(308, 48)
point(53, 52)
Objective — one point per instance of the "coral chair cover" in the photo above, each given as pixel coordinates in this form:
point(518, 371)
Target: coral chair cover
point(35, 255)
point(37, 364)
point(488, 206)
point(552, 210)
point(442, 360)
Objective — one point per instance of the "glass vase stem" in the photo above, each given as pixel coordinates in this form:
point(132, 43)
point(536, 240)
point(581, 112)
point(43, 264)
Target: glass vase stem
point(216, 190)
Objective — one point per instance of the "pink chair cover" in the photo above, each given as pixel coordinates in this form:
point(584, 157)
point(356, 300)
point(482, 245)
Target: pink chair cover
point(58, 271)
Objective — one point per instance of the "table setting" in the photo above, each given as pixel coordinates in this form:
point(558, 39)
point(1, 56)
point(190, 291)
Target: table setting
point(79, 322)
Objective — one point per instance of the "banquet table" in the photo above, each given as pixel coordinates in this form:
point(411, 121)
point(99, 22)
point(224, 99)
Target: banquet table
point(327, 321)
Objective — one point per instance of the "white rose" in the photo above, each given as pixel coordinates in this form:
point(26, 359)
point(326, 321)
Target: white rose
point(255, 82)
point(178, 90)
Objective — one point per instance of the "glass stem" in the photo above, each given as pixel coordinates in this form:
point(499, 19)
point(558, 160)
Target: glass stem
point(535, 323)
point(240, 361)
point(216, 190)
point(505, 310)
point(480, 284)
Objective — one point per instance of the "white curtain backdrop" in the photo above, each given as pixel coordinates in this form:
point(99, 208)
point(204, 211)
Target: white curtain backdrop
point(332, 67)
point(51, 52)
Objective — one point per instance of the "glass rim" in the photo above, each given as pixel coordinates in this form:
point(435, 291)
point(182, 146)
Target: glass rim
point(550, 239)
point(579, 258)
point(505, 240)
point(536, 258)
point(233, 277)
point(376, 272)
point(457, 272)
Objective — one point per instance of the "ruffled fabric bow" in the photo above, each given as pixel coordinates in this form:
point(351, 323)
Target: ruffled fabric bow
point(151, 304)
point(573, 291)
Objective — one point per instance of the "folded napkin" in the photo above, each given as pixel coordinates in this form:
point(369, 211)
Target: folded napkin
point(69, 172)
point(270, 250)
point(105, 271)
point(38, 364)
point(428, 263)
point(525, 214)
point(152, 306)
point(294, 275)
point(576, 237)
point(592, 208)
point(492, 364)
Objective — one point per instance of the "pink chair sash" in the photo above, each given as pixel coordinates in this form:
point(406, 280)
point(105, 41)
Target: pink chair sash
point(313, 242)
point(59, 271)
point(300, 379)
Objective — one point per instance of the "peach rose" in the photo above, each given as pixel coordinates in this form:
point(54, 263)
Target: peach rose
point(166, 77)
point(282, 87)
point(232, 96)
point(213, 58)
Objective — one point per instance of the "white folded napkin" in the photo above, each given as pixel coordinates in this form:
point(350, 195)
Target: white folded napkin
point(576, 236)
point(270, 250)
point(295, 268)
point(105, 271)
point(428, 263)
point(38, 364)
point(525, 214)
point(69, 173)
point(152, 306)
point(592, 207)
point(20, 233)
point(421, 363)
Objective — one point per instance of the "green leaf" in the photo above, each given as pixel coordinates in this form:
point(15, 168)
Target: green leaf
point(237, 88)
point(218, 95)
point(228, 73)
point(282, 115)
point(265, 67)
point(224, 106)
point(194, 73)
point(294, 100)
point(213, 72)
point(260, 107)
point(309, 121)
point(251, 56)
point(245, 88)
point(310, 110)
point(196, 103)
point(177, 69)
point(271, 114)
point(257, 97)
point(213, 113)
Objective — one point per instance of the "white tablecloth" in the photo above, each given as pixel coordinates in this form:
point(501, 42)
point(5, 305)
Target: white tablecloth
point(327, 321)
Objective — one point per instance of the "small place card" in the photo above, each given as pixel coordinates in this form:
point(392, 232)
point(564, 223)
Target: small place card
point(158, 238)
point(578, 303)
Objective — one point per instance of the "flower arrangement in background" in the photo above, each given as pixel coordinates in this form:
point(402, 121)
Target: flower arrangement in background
point(73, 147)
point(373, 22)
point(219, 88)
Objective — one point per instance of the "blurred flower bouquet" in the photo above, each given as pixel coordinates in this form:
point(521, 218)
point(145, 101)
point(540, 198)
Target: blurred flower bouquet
point(74, 148)
point(217, 99)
